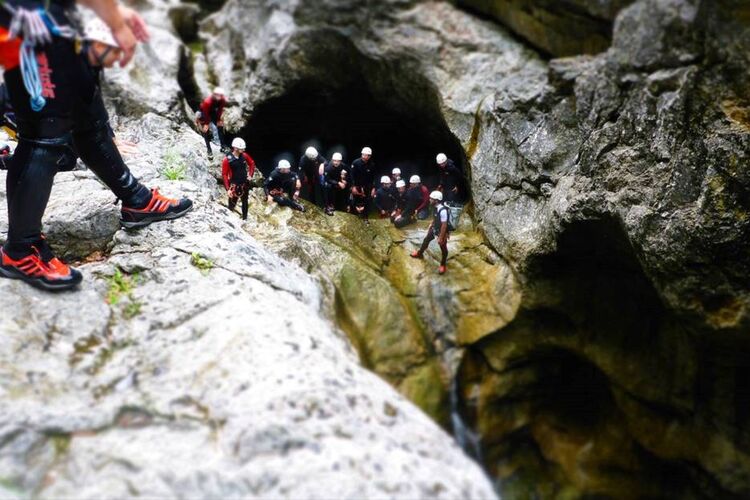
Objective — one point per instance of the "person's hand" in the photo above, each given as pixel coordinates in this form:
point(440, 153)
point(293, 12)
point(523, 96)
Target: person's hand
point(342, 185)
point(455, 189)
point(269, 198)
point(126, 41)
point(296, 195)
point(220, 123)
point(136, 23)
point(205, 129)
point(321, 170)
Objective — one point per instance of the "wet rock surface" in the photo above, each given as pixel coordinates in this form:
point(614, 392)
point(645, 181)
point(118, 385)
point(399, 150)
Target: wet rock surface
point(613, 185)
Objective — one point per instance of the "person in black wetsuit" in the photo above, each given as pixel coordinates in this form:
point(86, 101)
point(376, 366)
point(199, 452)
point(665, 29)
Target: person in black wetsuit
point(412, 201)
point(69, 122)
point(363, 180)
point(385, 202)
point(450, 179)
point(282, 186)
point(308, 171)
point(440, 228)
point(237, 169)
point(335, 182)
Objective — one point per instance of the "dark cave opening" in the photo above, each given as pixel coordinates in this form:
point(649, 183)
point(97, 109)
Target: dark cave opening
point(345, 119)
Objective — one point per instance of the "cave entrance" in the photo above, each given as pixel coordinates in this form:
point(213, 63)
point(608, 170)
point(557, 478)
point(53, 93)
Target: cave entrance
point(344, 118)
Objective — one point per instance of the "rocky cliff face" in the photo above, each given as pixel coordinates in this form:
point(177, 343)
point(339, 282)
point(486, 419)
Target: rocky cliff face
point(613, 184)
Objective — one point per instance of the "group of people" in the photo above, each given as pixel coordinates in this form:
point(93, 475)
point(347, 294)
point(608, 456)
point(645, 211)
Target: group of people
point(336, 186)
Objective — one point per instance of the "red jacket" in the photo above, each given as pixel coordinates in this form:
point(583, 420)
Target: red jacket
point(206, 109)
point(226, 170)
point(425, 199)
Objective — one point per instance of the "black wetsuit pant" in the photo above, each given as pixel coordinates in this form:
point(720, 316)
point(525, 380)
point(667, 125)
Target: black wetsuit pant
point(404, 221)
point(443, 248)
point(73, 123)
point(286, 201)
point(239, 192)
point(208, 135)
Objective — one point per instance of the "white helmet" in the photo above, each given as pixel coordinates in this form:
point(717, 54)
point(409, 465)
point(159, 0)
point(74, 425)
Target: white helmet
point(396, 171)
point(311, 153)
point(415, 179)
point(97, 31)
point(385, 180)
point(283, 164)
point(436, 195)
point(400, 183)
point(238, 143)
point(367, 151)
point(337, 157)
point(219, 91)
point(441, 158)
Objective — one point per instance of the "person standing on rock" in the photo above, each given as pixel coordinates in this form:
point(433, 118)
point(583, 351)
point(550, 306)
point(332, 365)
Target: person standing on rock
point(384, 199)
point(441, 226)
point(282, 186)
point(237, 169)
point(412, 201)
point(308, 170)
point(450, 179)
point(363, 180)
point(61, 116)
point(334, 182)
point(209, 118)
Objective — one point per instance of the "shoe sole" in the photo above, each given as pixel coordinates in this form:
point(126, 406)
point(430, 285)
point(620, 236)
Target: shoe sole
point(36, 282)
point(156, 218)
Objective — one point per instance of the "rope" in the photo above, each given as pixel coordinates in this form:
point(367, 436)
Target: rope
point(34, 27)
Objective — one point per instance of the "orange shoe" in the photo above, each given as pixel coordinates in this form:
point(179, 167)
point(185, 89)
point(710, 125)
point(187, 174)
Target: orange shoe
point(159, 208)
point(416, 255)
point(50, 274)
point(442, 269)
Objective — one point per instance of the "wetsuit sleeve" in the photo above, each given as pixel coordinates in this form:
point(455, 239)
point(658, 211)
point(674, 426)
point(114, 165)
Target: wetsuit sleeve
point(378, 198)
point(425, 199)
point(206, 110)
point(220, 111)
point(267, 184)
point(226, 172)
point(250, 165)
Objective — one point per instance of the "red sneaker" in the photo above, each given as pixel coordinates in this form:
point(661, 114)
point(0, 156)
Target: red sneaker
point(48, 274)
point(442, 269)
point(415, 254)
point(159, 208)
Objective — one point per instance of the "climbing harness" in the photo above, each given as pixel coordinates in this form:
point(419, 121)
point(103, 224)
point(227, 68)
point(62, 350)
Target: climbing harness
point(35, 27)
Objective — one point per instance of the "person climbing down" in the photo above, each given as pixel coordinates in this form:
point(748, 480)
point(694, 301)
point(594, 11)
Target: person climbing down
point(412, 201)
point(59, 120)
point(334, 182)
point(450, 179)
point(423, 210)
point(282, 186)
point(363, 180)
point(440, 225)
point(308, 170)
point(237, 169)
point(209, 119)
point(385, 202)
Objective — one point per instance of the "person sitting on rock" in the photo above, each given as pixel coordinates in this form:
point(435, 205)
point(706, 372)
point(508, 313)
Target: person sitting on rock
point(441, 226)
point(423, 210)
point(363, 180)
point(412, 201)
point(282, 186)
point(209, 118)
point(65, 121)
point(384, 199)
point(308, 170)
point(400, 199)
point(334, 182)
point(450, 179)
point(237, 169)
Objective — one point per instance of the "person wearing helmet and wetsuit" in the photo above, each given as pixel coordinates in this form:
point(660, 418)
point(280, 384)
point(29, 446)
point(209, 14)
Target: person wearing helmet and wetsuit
point(308, 171)
point(335, 182)
point(412, 201)
point(282, 186)
point(363, 180)
point(210, 115)
point(440, 227)
point(450, 179)
point(237, 169)
point(385, 202)
point(65, 121)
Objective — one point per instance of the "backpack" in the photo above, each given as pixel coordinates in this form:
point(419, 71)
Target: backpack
point(452, 220)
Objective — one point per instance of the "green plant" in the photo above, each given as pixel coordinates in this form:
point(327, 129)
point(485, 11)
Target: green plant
point(120, 285)
point(174, 168)
point(204, 264)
